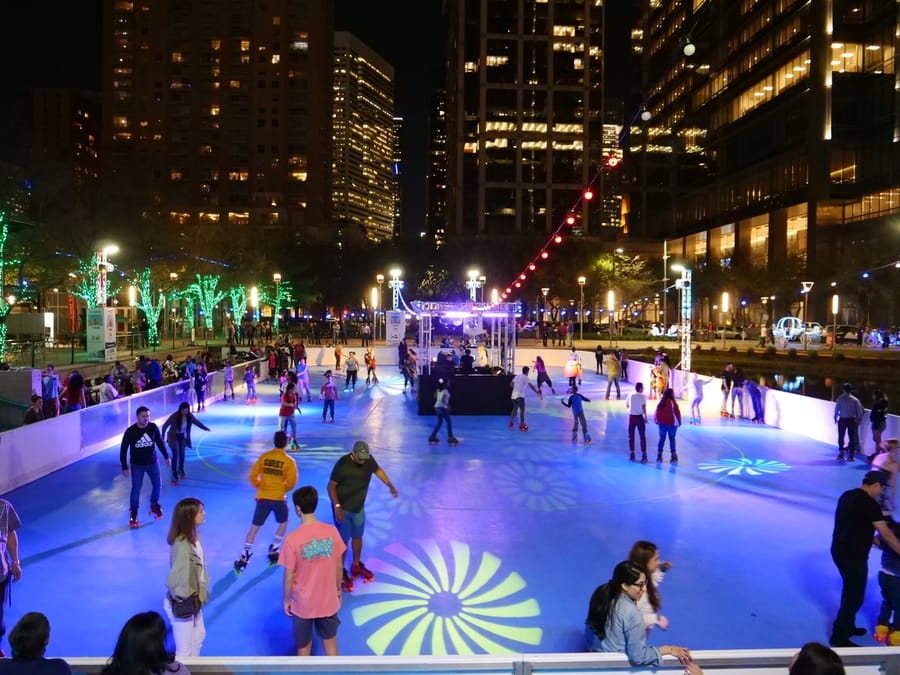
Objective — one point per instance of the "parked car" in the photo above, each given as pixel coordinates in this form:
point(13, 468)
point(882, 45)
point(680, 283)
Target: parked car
point(843, 334)
point(730, 333)
point(789, 327)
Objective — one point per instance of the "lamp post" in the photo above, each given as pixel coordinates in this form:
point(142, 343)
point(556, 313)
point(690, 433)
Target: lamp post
point(482, 282)
point(380, 279)
point(684, 287)
point(174, 321)
point(611, 308)
point(835, 304)
point(807, 289)
point(725, 308)
point(581, 282)
point(396, 285)
point(254, 301)
point(277, 279)
point(103, 268)
point(472, 284)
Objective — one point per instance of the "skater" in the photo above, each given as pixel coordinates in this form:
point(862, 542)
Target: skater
point(442, 411)
point(668, 419)
point(402, 352)
point(10, 567)
point(303, 379)
point(410, 370)
point(518, 384)
point(541, 369)
point(188, 576)
point(177, 432)
point(598, 357)
point(887, 631)
point(290, 404)
point(572, 369)
point(347, 488)
point(576, 402)
point(328, 394)
point(228, 377)
point(352, 371)
point(646, 554)
point(612, 374)
point(848, 413)
point(889, 463)
point(623, 365)
point(727, 378)
point(369, 359)
point(312, 561)
point(614, 622)
point(698, 383)
point(250, 382)
point(737, 392)
point(878, 420)
point(759, 413)
point(140, 438)
point(273, 475)
point(636, 403)
point(338, 354)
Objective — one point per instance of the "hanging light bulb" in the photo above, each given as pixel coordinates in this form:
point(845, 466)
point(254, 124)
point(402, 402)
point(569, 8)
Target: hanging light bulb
point(544, 255)
point(689, 48)
point(588, 194)
point(557, 239)
point(645, 114)
point(532, 267)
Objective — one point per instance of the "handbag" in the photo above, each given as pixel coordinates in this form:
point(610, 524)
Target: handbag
point(185, 608)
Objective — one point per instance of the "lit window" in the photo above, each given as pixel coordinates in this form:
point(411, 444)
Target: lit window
point(120, 121)
point(214, 110)
point(216, 45)
point(245, 45)
point(175, 174)
point(177, 57)
point(276, 20)
point(276, 58)
point(234, 84)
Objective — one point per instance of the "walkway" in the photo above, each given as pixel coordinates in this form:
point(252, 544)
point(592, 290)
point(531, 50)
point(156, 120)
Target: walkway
point(494, 545)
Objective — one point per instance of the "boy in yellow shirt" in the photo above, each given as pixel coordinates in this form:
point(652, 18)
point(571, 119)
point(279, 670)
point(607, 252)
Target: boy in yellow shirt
point(273, 475)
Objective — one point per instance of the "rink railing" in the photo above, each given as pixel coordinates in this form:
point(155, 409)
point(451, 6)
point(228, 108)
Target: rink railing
point(862, 661)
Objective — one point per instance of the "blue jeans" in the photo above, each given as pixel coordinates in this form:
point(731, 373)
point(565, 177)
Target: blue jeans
point(285, 421)
point(442, 415)
point(666, 430)
point(137, 481)
point(890, 591)
point(177, 455)
point(328, 406)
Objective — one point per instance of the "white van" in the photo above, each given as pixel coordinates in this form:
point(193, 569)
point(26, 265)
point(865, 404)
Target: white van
point(789, 327)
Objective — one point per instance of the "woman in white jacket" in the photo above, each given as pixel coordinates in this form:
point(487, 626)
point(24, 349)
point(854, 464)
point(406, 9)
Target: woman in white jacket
point(646, 554)
point(188, 577)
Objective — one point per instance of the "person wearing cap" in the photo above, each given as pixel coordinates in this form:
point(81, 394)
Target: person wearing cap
point(347, 488)
point(35, 412)
point(857, 517)
point(848, 413)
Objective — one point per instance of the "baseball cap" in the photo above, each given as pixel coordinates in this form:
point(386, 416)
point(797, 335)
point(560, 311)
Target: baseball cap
point(361, 450)
point(873, 477)
point(847, 386)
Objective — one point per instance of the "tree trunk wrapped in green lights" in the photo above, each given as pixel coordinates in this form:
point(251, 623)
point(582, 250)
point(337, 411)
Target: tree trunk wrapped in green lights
point(151, 310)
point(208, 296)
point(5, 306)
point(238, 296)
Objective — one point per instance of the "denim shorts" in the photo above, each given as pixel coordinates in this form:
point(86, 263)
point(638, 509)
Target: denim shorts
point(353, 527)
point(266, 506)
point(326, 627)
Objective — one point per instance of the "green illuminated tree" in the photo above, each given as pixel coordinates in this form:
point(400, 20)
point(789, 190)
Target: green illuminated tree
point(5, 306)
point(275, 295)
point(238, 296)
point(85, 286)
point(144, 286)
point(207, 295)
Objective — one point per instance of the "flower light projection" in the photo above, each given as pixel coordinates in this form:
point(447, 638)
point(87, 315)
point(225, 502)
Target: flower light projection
point(534, 487)
point(429, 602)
point(744, 465)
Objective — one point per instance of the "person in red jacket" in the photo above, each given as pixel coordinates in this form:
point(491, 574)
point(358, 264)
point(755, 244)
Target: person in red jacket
point(668, 419)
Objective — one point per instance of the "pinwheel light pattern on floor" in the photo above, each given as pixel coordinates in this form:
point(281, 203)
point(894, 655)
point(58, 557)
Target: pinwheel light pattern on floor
point(429, 602)
point(749, 467)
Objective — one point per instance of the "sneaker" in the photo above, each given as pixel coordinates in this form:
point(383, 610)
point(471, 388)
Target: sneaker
point(156, 511)
point(273, 554)
point(361, 571)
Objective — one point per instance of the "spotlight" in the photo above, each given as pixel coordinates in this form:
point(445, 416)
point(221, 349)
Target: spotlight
point(645, 115)
point(689, 48)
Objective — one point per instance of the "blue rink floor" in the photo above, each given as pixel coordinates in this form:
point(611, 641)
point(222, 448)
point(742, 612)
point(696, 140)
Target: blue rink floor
point(493, 546)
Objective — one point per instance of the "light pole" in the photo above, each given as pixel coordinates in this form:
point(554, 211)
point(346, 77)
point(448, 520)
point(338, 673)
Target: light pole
point(396, 285)
point(684, 286)
point(807, 289)
point(254, 301)
point(611, 308)
point(581, 282)
point(472, 284)
point(725, 309)
point(835, 304)
point(380, 279)
point(277, 279)
point(482, 282)
point(103, 268)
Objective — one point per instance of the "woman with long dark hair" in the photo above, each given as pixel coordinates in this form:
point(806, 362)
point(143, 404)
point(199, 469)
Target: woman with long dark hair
point(646, 554)
point(615, 623)
point(878, 420)
point(188, 577)
point(177, 432)
point(141, 649)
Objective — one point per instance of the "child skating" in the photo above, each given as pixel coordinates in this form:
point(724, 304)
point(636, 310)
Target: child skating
point(273, 475)
point(250, 383)
point(698, 383)
point(442, 412)
point(290, 404)
point(576, 402)
point(328, 393)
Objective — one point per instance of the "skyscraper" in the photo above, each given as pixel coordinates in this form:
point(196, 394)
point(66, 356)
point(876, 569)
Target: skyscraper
point(525, 115)
point(217, 120)
point(362, 178)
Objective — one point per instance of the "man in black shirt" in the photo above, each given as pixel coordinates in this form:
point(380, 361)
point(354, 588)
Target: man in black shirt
point(141, 438)
point(856, 518)
point(467, 362)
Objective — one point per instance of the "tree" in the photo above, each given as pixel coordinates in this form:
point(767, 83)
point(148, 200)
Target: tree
point(238, 296)
point(275, 295)
point(5, 305)
point(144, 286)
point(85, 286)
point(207, 295)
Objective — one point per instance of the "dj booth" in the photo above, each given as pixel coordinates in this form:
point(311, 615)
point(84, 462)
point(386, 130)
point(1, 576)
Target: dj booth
point(480, 393)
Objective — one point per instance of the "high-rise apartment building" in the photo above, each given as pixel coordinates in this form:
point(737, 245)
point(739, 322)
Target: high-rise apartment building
point(771, 139)
point(525, 112)
point(363, 181)
point(217, 119)
point(437, 170)
point(396, 171)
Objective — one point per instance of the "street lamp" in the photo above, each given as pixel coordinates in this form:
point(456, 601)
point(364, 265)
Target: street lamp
point(380, 279)
point(725, 308)
point(581, 282)
point(544, 292)
point(472, 284)
point(611, 308)
point(482, 282)
point(396, 285)
point(835, 304)
point(254, 301)
point(103, 268)
point(807, 289)
point(277, 279)
point(684, 287)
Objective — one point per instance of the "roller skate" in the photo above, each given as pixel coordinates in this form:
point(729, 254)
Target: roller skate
point(133, 521)
point(433, 440)
point(644, 458)
point(841, 457)
point(631, 457)
point(574, 438)
point(659, 458)
point(511, 423)
point(273, 555)
point(241, 565)
point(674, 458)
point(347, 583)
point(358, 570)
point(587, 439)
point(156, 511)
point(174, 479)
point(881, 634)
point(894, 638)
point(523, 427)
point(851, 457)
point(294, 445)
point(453, 440)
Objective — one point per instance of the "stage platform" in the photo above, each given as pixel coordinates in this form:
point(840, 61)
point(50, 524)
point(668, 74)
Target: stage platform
point(493, 546)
